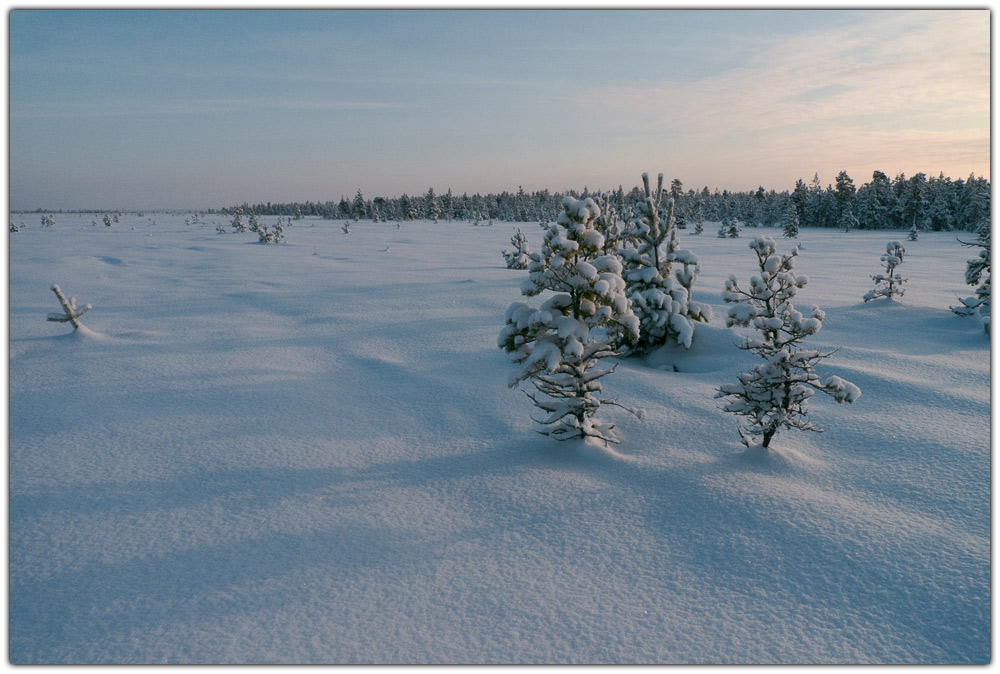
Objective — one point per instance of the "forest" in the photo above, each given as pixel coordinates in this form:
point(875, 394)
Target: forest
point(930, 204)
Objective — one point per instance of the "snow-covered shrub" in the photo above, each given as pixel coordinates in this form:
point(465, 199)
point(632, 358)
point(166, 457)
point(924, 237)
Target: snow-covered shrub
point(733, 229)
point(912, 234)
point(791, 227)
point(48, 221)
point(520, 256)
point(237, 222)
point(275, 234)
point(659, 275)
point(723, 228)
point(221, 229)
point(560, 344)
point(107, 220)
point(774, 394)
point(14, 227)
point(889, 283)
point(346, 227)
point(70, 313)
point(699, 227)
point(977, 272)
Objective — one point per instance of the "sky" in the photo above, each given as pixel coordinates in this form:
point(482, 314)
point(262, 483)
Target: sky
point(187, 108)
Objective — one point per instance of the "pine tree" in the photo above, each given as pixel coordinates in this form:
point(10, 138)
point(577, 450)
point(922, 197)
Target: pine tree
point(560, 344)
point(889, 283)
point(733, 231)
point(977, 271)
point(775, 393)
point(791, 228)
point(658, 274)
point(521, 255)
point(912, 234)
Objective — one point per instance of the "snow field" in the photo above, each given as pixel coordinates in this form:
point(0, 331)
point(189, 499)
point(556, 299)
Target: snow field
point(307, 452)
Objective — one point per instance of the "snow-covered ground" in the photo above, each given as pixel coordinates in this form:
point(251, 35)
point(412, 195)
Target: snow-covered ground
point(307, 453)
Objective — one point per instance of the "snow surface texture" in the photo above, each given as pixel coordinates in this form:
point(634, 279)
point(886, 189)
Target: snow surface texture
point(307, 453)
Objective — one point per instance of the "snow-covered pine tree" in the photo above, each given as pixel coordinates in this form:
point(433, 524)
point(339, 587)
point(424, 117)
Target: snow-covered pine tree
point(560, 344)
point(774, 394)
point(889, 283)
point(977, 271)
point(791, 227)
point(660, 294)
point(609, 224)
point(723, 228)
point(237, 222)
point(699, 226)
point(733, 231)
point(847, 220)
point(520, 256)
point(912, 234)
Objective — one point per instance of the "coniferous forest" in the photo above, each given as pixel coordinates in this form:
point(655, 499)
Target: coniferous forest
point(930, 204)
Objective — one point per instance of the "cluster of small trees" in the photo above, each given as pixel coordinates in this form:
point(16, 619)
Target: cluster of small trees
point(621, 285)
point(265, 233)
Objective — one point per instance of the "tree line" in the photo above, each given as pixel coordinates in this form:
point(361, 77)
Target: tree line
point(934, 204)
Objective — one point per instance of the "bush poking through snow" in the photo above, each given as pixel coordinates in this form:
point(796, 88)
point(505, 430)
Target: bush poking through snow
point(889, 283)
point(520, 256)
point(774, 394)
point(560, 344)
point(658, 274)
point(977, 271)
point(275, 234)
point(912, 234)
point(70, 313)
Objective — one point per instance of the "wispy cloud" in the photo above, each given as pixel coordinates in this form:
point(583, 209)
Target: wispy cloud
point(893, 80)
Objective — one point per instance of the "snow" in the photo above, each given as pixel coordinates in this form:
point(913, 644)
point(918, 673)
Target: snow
point(306, 452)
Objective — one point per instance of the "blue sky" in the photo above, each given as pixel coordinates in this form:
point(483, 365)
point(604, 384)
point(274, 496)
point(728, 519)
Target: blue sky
point(196, 108)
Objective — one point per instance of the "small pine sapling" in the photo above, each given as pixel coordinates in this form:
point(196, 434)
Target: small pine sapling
point(520, 256)
point(733, 231)
point(237, 222)
point(70, 313)
point(659, 274)
point(560, 344)
point(774, 394)
point(912, 234)
point(699, 227)
point(977, 272)
point(889, 283)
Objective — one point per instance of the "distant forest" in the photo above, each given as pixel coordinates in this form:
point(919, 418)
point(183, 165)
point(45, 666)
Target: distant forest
point(935, 204)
